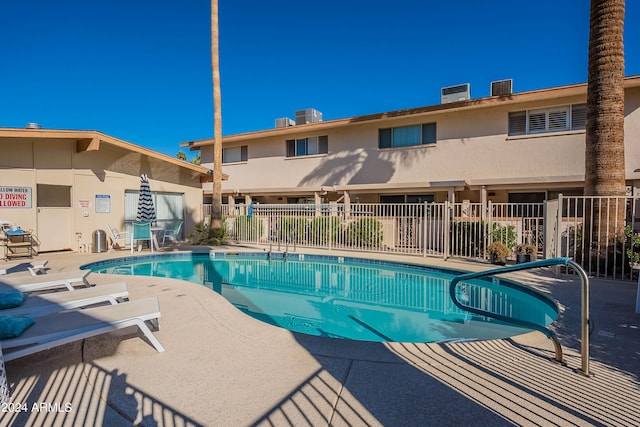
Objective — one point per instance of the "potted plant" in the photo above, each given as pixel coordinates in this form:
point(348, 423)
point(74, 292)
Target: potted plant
point(633, 247)
point(498, 252)
point(525, 253)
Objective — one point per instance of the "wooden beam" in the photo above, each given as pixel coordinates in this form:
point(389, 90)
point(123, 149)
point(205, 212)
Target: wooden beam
point(87, 144)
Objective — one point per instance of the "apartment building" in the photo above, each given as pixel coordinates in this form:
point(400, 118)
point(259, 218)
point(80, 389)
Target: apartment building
point(507, 147)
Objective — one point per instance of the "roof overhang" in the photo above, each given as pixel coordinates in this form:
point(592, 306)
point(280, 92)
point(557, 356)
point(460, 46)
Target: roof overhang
point(87, 141)
point(363, 188)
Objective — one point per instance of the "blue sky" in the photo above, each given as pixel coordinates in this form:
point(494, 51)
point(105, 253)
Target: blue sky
point(140, 70)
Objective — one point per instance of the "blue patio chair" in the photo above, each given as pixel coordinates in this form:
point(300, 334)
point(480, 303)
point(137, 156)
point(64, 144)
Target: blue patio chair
point(172, 235)
point(141, 231)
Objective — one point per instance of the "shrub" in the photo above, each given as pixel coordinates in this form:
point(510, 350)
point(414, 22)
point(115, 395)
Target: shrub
point(245, 228)
point(323, 230)
point(365, 232)
point(200, 236)
point(633, 245)
point(505, 234)
point(498, 252)
point(471, 235)
point(291, 229)
point(525, 249)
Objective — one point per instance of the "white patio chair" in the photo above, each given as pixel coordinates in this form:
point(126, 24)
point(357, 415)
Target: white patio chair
point(172, 235)
point(118, 236)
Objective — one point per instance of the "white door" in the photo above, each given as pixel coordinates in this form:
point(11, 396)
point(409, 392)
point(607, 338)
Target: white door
point(54, 231)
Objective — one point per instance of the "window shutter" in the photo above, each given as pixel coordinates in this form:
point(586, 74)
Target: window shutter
point(291, 147)
point(518, 123)
point(578, 116)
point(558, 120)
point(244, 153)
point(537, 122)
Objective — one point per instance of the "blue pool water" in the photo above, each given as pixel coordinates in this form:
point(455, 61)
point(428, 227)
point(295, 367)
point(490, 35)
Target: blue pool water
point(349, 298)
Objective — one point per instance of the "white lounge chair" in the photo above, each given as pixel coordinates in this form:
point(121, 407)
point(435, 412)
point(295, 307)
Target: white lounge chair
point(44, 281)
point(43, 304)
point(35, 267)
point(62, 328)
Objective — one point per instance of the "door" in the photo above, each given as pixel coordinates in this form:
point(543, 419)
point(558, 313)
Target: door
point(53, 218)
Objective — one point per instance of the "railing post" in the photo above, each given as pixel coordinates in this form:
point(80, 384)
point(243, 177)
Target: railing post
point(425, 217)
point(584, 342)
point(584, 368)
point(446, 229)
point(488, 234)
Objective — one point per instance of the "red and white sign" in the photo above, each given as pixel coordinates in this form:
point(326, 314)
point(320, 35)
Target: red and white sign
point(15, 197)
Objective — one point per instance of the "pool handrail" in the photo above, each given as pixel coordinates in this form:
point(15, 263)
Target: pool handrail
point(550, 334)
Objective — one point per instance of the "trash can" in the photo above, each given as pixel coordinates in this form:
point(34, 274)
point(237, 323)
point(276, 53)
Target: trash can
point(99, 241)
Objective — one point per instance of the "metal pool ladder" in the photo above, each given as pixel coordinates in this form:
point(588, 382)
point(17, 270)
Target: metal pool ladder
point(584, 370)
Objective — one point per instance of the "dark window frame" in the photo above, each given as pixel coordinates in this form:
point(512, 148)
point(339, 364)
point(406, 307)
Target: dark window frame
point(244, 154)
point(428, 136)
point(299, 147)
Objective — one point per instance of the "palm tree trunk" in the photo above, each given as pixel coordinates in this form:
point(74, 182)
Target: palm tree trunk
point(216, 208)
point(604, 155)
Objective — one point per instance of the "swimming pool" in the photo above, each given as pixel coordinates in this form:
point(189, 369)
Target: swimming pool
point(349, 298)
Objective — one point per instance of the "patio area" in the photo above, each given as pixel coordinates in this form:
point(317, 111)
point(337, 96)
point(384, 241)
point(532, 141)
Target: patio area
point(224, 368)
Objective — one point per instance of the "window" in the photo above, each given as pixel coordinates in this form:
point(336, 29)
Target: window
point(407, 136)
point(54, 196)
point(307, 146)
point(235, 154)
point(169, 207)
point(557, 119)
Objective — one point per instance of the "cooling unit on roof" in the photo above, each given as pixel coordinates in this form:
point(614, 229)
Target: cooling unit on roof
point(310, 115)
point(502, 87)
point(455, 93)
point(284, 122)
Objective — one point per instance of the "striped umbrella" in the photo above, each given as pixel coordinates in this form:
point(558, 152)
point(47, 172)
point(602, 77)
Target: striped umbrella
point(146, 210)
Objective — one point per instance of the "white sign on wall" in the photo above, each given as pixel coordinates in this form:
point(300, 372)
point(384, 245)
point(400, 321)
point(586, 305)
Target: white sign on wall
point(103, 203)
point(15, 197)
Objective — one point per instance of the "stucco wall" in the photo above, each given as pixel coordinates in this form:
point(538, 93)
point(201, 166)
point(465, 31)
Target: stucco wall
point(472, 146)
point(109, 171)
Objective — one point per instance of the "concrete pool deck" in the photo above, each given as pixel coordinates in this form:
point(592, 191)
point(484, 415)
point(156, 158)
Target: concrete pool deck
point(223, 368)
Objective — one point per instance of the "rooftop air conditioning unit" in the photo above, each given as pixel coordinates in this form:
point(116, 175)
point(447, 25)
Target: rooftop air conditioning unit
point(284, 122)
point(502, 87)
point(32, 125)
point(310, 115)
point(455, 93)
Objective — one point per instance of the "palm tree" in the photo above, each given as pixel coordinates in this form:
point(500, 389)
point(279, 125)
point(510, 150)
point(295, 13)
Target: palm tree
point(216, 207)
point(604, 155)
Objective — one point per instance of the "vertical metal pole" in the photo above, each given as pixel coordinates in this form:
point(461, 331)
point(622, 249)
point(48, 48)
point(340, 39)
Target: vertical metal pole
point(446, 230)
point(584, 317)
